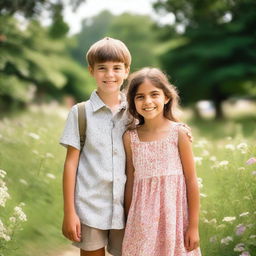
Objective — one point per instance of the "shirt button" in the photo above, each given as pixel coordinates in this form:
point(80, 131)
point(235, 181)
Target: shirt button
point(115, 151)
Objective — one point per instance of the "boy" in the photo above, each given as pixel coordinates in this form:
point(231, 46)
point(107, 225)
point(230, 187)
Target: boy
point(94, 180)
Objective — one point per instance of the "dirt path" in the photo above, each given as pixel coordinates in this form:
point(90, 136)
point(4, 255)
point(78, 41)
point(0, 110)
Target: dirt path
point(73, 251)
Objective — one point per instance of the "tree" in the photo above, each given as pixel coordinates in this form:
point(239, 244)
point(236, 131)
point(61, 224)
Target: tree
point(137, 32)
point(215, 58)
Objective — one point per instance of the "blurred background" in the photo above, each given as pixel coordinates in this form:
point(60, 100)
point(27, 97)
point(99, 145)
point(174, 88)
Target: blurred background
point(208, 50)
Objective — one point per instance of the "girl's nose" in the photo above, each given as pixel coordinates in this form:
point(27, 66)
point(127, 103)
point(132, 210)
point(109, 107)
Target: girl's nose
point(148, 100)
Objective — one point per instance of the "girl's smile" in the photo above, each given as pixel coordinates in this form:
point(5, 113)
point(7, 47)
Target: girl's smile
point(150, 100)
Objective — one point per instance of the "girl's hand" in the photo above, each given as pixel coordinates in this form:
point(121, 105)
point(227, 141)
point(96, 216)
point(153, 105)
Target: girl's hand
point(191, 239)
point(71, 227)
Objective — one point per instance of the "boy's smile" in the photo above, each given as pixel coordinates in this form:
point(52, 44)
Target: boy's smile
point(109, 76)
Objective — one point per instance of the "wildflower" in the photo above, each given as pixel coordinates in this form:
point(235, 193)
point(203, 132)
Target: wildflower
point(203, 195)
point(205, 153)
point(51, 176)
point(230, 147)
point(12, 219)
point(49, 155)
point(4, 195)
point(244, 214)
point(213, 239)
point(250, 161)
point(245, 253)
point(2, 173)
point(226, 240)
point(239, 247)
point(24, 182)
point(3, 232)
point(221, 226)
point(34, 135)
point(213, 221)
point(198, 160)
point(242, 147)
point(252, 236)
point(240, 229)
point(228, 219)
point(35, 152)
point(213, 158)
point(199, 181)
point(253, 172)
point(223, 163)
point(241, 168)
point(18, 212)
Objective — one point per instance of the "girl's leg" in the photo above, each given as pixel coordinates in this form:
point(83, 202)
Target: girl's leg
point(100, 252)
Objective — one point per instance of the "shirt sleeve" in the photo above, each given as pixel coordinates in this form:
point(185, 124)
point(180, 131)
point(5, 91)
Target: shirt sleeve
point(70, 135)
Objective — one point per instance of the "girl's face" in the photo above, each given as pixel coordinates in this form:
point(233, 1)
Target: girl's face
point(150, 100)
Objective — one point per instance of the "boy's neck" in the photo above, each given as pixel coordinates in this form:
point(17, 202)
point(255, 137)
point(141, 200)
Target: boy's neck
point(112, 100)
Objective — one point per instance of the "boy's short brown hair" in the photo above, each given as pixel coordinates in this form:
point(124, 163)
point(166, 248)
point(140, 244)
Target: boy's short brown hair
point(108, 49)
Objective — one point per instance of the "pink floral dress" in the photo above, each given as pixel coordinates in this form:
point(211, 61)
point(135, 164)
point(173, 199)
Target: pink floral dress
point(158, 215)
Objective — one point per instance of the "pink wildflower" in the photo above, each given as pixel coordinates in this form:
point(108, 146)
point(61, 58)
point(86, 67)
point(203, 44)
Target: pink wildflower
point(251, 160)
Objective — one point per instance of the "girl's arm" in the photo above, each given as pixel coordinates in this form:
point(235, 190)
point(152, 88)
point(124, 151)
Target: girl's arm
point(129, 170)
point(187, 160)
point(71, 224)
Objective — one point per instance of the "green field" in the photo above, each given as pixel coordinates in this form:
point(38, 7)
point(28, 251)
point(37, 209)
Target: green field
point(33, 160)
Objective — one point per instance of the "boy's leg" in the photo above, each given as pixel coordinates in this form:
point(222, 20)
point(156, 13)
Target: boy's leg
point(93, 241)
point(100, 252)
point(115, 240)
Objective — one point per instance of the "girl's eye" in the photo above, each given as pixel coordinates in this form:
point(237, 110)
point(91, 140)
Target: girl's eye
point(139, 97)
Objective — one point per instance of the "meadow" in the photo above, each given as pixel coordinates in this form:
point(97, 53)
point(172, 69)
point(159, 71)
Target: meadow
point(31, 163)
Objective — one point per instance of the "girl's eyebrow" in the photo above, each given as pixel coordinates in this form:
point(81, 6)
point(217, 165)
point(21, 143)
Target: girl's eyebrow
point(143, 93)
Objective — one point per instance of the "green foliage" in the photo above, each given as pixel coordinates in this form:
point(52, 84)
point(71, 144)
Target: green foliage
point(218, 58)
point(140, 39)
point(33, 160)
point(34, 63)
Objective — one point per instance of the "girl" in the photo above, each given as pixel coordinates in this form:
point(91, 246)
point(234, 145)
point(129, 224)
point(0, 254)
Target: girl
point(161, 193)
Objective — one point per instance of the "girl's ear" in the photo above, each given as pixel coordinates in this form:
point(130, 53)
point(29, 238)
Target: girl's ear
point(166, 100)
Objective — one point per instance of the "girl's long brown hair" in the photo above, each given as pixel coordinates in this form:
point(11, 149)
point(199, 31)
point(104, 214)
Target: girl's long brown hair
point(159, 80)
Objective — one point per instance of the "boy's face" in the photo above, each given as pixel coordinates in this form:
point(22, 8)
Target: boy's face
point(109, 76)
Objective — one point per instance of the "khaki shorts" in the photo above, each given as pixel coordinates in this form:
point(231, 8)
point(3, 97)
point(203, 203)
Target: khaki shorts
point(93, 239)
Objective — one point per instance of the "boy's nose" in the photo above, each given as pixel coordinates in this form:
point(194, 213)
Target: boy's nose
point(110, 73)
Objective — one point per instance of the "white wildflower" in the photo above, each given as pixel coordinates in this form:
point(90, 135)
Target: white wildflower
point(213, 239)
point(34, 135)
point(205, 153)
point(18, 212)
point(49, 155)
point(252, 236)
point(226, 240)
point(12, 219)
point(228, 219)
point(3, 232)
point(203, 195)
point(245, 253)
point(239, 247)
point(244, 214)
point(51, 176)
point(2, 173)
point(243, 147)
point(4, 195)
point(198, 160)
point(200, 182)
point(24, 182)
point(213, 158)
point(223, 163)
point(35, 152)
point(230, 147)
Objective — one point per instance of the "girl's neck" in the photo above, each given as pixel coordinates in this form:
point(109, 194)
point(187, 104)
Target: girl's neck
point(153, 124)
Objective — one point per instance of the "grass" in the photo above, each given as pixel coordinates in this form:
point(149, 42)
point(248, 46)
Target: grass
point(33, 160)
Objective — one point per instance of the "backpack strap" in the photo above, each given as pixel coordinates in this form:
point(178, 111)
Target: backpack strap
point(81, 123)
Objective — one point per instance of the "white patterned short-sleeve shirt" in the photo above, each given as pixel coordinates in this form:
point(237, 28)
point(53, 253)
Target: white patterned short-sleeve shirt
point(100, 179)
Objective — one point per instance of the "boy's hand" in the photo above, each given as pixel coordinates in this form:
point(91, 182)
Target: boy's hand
point(71, 227)
point(191, 239)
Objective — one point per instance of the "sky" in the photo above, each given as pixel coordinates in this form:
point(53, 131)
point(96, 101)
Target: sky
point(93, 7)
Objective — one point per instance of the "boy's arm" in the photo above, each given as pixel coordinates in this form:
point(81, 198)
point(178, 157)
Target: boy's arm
point(187, 160)
point(129, 170)
point(71, 224)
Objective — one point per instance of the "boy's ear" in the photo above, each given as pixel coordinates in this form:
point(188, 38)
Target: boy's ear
point(90, 69)
point(127, 71)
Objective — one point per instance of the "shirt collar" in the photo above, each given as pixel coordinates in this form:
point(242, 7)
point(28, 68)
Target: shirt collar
point(97, 102)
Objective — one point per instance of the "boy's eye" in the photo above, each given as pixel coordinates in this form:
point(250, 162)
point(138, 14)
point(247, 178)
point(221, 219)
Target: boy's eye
point(155, 94)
